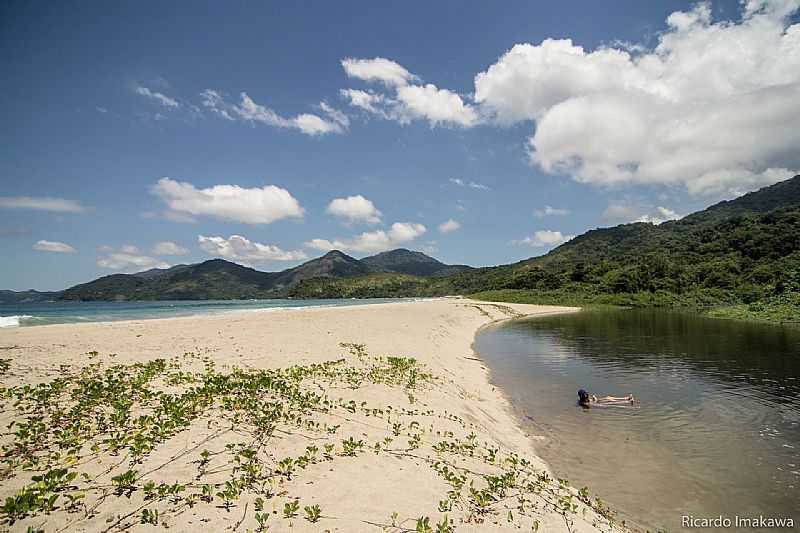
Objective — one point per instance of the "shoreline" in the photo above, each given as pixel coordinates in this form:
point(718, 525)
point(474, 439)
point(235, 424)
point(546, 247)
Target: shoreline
point(208, 313)
point(437, 333)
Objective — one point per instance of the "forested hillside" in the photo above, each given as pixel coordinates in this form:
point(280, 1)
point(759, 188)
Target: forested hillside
point(743, 255)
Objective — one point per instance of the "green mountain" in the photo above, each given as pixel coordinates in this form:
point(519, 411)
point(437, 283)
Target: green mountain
point(29, 296)
point(743, 254)
point(215, 279)
point(220, 279)
point(404, 261)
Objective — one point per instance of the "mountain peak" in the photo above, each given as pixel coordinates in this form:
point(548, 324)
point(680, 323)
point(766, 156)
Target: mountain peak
point(335, 254)
point(411, 262)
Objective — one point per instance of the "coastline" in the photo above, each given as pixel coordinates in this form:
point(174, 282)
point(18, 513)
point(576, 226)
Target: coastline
point(360, 493)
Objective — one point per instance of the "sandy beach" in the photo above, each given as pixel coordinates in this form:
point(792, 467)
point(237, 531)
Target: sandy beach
point(361, 440)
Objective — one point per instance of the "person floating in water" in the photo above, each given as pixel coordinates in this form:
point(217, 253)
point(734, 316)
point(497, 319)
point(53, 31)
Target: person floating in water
point(587, 400)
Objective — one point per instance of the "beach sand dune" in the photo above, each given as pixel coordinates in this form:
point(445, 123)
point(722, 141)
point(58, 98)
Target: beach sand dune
point(368, 443)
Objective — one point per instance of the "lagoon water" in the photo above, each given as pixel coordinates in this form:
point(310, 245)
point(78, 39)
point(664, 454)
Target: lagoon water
point(35, 314)
point(718, 428)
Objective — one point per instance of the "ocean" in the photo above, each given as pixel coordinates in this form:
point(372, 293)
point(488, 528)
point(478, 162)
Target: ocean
point(38, 314)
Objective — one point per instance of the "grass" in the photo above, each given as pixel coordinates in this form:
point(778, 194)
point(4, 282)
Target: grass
point(783, 309)
point(100, 434)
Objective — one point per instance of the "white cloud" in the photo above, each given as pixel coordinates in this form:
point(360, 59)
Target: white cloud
point(307, 123)
point(437, 106)
point(159, 97)
point(249, 111)
point(544, 238)
point(547, 211)
point(242, 250)
point(128, 259)
point(449, 225)
point(314, 125)
point(712, 107)
point(228, 202)
point(41, 203)
point(661, 215)
point(378, 69)
point(169, 248)
point(630, 211)
point(213, 101)
point(440, 107)
point(129, 249)
point(54, 246)
point(370, 102)
point(355, 209)
point(471, 184)
point(335, 115)
point(372, 241)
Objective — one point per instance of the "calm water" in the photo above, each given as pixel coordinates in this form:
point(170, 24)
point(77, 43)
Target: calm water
point(718, 429)
point(66, 312)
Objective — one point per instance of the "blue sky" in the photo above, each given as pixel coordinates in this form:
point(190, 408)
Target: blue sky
point(146, 134)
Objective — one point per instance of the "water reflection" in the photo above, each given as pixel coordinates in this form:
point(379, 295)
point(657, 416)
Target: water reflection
point(718, 430)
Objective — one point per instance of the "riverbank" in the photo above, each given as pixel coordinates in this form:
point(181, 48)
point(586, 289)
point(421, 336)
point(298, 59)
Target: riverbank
point(255, 420)
point(783, 309)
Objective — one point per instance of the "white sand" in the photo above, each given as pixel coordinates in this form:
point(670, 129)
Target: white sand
point(355, 493)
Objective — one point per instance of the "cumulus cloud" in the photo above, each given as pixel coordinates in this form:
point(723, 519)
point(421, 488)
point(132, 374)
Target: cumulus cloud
point(661, 215)
point(410, 101)
point(128, 259)
point(54, 246)
point(355, 209)
point(242, 250)
point(378, 69)
point(548, 211)
point(169, 248)
point(713, 106)
point(247, 110)
point(41, 204)
point(257, 205)
point(372, 241)
point(437, 106)
point(449, 225)
point(161, 98)
point(367, 101)
point(544, 238)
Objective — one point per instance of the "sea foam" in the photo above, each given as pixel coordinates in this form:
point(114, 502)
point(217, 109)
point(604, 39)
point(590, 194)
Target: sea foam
point(12, 321)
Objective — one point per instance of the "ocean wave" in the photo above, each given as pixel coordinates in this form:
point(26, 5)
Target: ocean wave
point(12, 321)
